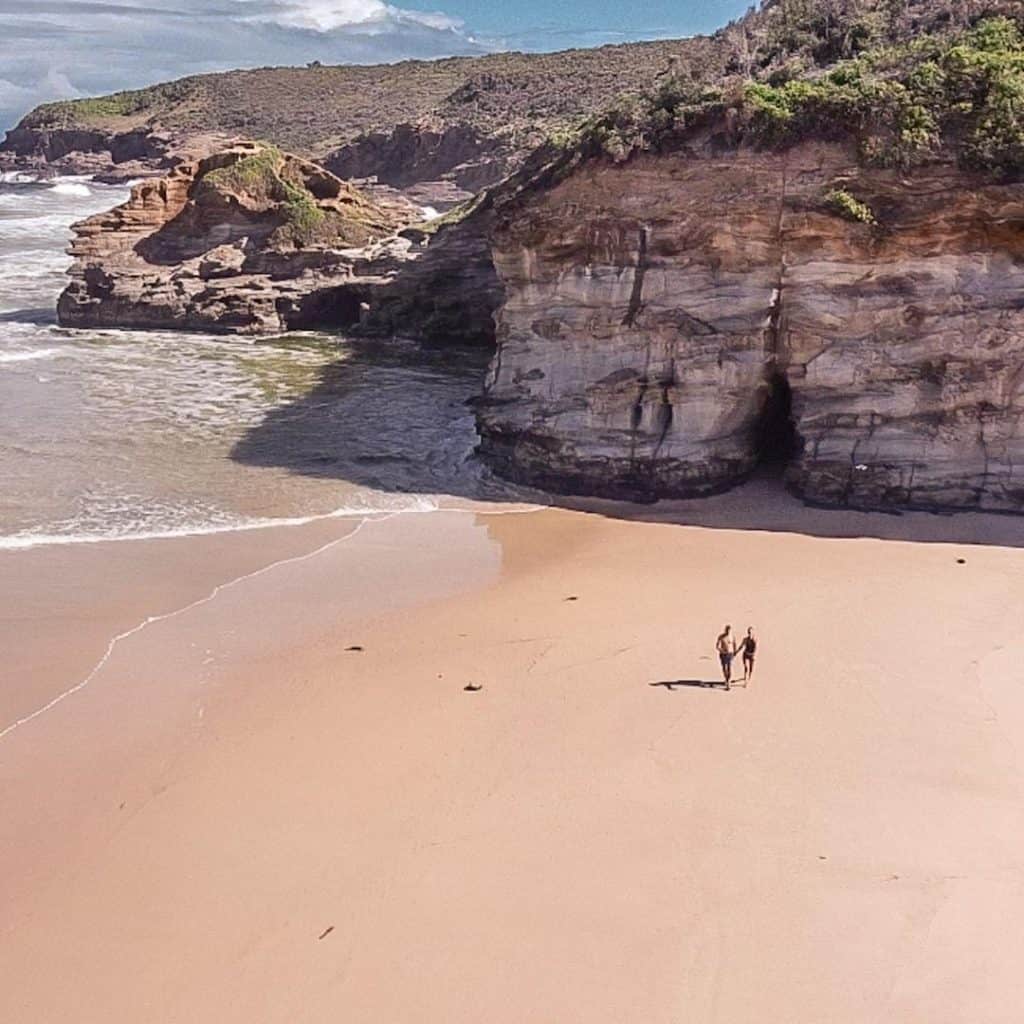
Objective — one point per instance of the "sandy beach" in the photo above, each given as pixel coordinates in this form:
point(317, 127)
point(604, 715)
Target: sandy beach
point(277, 801)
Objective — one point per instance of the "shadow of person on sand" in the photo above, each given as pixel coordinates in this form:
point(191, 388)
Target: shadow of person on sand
point(396, 416)
point(702, 684)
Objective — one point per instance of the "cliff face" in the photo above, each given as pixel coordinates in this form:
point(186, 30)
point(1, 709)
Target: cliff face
point(248, 240)
point(438, 168)
point(665, 317)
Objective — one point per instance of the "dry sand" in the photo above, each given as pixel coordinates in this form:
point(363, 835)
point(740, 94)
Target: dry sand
point(241, 820)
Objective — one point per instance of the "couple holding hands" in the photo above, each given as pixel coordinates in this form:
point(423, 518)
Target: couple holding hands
point(728, 649)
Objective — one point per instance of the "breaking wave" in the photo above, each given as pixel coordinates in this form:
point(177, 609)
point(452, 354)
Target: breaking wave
point(71, 188)
point(126, 532)
point(26, 357)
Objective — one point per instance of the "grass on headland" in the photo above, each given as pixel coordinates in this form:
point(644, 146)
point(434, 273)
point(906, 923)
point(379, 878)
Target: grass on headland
point(266, 176)
point(96, 109)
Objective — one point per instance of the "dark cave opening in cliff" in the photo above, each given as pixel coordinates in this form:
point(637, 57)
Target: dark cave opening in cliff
point(328, 308)
point(776, 440)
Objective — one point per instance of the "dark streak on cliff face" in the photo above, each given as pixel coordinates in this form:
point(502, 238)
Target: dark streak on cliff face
point(636, 299)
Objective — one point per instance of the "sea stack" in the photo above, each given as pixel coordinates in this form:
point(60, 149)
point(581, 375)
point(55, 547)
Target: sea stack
point(247, 240)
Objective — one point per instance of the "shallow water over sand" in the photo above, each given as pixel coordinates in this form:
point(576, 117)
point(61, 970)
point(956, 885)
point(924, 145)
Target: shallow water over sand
point(130, 434)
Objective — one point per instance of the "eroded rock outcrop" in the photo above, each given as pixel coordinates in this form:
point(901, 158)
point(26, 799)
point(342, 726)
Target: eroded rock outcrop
point(247, 240)
point(657, 308)
point(438, 167)
point(111, 155)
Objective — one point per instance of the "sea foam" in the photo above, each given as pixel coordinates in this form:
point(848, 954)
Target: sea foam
point(71, 188)
point(30, 539)
point(26, 357)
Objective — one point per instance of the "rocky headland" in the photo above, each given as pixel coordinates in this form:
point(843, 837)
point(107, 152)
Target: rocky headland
point(249, 240)
point(439, 130)
point(802, 247)
point(824, 272)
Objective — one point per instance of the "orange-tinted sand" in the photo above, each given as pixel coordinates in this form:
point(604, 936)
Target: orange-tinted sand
point(240, 820)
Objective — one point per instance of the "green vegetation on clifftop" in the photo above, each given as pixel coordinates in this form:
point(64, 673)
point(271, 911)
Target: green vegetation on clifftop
point(904, 103)
point(94, 111)
point(267, 177)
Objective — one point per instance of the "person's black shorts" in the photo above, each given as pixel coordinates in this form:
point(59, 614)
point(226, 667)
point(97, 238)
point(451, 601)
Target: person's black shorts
point(726, 660)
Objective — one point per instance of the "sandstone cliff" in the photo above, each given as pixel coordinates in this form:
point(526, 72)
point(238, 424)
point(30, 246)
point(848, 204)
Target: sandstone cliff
point(248, 240)
point(662, 315)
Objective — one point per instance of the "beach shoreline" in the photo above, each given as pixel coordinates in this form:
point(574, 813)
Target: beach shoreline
point(282, 803)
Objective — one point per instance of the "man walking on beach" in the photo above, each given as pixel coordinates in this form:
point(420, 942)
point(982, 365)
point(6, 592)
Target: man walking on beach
point(726, 652)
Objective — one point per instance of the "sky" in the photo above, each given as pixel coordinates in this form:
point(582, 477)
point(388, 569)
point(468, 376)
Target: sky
point(56, 49)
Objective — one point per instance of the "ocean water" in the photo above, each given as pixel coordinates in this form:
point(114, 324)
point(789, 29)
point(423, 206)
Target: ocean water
point(125, 434)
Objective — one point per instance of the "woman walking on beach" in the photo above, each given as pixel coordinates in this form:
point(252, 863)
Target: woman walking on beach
point(748, 647)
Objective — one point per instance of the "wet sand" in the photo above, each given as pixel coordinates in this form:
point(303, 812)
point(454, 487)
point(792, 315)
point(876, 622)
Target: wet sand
point(242, 818)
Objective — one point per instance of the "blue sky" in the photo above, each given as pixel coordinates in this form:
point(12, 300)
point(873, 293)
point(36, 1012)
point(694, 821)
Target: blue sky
point(541, 24)
point(55, 49)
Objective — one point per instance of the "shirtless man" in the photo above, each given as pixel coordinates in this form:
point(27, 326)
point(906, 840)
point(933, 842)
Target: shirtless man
point(726, 652)
point(748, 648)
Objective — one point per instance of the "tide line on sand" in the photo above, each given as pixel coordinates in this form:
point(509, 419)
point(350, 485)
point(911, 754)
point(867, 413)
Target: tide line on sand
point(28, 539)
point(221, 587)
point(152, 619)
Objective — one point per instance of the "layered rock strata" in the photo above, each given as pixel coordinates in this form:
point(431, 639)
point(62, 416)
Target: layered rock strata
point(248, 240)
point(662, 314)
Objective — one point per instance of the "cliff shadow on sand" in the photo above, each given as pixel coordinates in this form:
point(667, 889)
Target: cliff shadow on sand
point(398, 418)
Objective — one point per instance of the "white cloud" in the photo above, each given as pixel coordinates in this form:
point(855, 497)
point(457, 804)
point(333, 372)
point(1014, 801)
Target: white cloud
point(55, 49)
point(50, 84)
point(329, 15)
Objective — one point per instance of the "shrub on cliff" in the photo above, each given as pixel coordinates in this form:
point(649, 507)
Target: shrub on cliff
point(903, 104)
point(640, 122)
point(848, 206)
